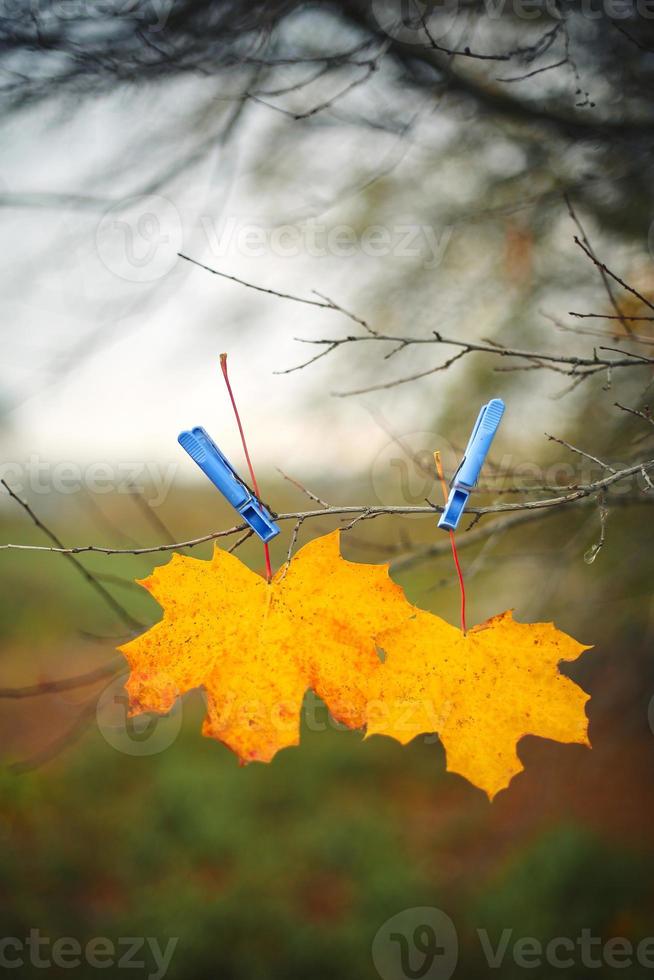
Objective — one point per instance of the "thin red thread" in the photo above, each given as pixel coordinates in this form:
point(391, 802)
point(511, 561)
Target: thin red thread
point(441, 477)
point(461, 585)
point(223, 367)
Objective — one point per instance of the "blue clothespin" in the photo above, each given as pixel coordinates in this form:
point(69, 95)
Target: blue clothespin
point(203, 451)
point(470, 466)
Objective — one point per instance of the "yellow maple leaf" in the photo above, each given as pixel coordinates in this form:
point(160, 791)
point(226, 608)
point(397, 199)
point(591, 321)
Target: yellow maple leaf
point(481, 692)
point(256, 648)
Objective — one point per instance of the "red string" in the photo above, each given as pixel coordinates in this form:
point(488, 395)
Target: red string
point(223, 367)
point(441, 477)
point(461, 585)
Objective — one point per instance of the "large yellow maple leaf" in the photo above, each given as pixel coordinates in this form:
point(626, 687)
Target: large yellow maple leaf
point(256, 648)
point(481, 692)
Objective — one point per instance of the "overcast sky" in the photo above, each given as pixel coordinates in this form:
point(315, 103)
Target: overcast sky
point(111, 342)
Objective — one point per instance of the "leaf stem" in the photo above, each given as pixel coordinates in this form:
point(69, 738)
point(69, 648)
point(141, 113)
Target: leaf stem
point(223, 368)
point(441, 477)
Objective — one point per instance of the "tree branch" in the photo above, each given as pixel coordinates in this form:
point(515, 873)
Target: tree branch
point(362, 511)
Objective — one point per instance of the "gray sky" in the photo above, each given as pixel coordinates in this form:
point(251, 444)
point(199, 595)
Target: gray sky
point(111, 343)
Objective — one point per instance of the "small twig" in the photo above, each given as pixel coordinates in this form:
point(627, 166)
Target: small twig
point(119, 581)
point(323, 303)
point(64, 684)
point(367, 514)
point(594, 550)
point(634, 411)
point(237, 544)
point(580, 452)
point(611, 316)
point(341, 309)
point(604, 272)
point(305, 490)
point(464, 52)
point(536, 71)
point(615, 277)
point(296, 529)
point(637, 357)
point(312, 360)
point(393, 384)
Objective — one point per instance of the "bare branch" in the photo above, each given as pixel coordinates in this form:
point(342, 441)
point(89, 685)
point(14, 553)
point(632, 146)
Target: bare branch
point(536, 71)
point(580, 452)
point(574, 366)
point(634, 411)
point(64, 684)
point(615, 277)
point(466, 540)
point(401, 381)
point(305, 490)
point(586, 246)
point(323, 303)
point(112, 602)
point(472, 537)
point(594, 550)
point(358, 512)
point(610, 316)
point(637, 357)
point(291, 546)
point(237, 544)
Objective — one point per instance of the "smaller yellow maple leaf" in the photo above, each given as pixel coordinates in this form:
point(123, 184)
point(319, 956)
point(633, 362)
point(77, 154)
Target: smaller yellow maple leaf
point(481, 692)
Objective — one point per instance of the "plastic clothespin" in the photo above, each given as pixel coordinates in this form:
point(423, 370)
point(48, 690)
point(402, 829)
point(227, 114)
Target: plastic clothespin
point(203, 451)
point(470, 466)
